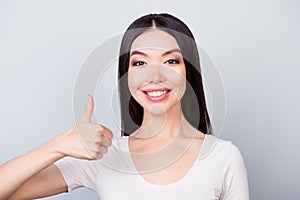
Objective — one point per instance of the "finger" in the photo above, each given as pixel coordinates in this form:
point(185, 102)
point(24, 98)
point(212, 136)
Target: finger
point(96, 156)
point(99, 149)
point(107, 132)
point(105, 142)
point(88, 111)
point(103, 149)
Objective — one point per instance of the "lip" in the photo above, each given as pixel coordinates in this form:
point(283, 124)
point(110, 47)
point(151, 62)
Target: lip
point(159, 98)
point(156, 89)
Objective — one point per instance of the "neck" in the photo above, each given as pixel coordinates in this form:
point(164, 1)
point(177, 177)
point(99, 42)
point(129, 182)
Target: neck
point(166, 125)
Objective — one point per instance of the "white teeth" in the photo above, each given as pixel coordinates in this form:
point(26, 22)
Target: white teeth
point(156, 94)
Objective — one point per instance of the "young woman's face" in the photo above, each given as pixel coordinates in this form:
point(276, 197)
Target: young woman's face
point(156, 74)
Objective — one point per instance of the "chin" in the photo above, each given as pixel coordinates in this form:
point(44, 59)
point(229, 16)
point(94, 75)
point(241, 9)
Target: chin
point(157, 110)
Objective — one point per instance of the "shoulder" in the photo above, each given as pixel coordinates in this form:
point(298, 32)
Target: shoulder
point(235, 161)
point(220, 149)
point(234, 173)
point(214, 146)
point(228, 153)
point(233, 153)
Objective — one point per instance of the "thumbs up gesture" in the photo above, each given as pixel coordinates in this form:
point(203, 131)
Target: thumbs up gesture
point(87, 140)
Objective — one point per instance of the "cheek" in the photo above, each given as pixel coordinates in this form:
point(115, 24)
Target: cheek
point(135, 79)
point(178, 80)
point(176, 77)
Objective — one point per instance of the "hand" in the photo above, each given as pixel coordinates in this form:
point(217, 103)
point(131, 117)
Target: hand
point(87, 140)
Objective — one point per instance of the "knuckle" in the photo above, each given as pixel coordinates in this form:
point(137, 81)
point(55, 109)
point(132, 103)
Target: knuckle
point(98, 139)
point(109, 143)
point(98, 148)
point(105, 142)
point(100, 156)
point(105, 150)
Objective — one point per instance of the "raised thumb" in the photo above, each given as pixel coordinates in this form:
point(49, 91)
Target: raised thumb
point(88, 111)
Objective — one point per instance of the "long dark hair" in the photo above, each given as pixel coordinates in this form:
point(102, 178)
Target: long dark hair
point(132, 120)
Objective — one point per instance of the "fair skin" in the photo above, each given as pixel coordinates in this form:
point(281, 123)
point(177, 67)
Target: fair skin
point(38, 177)
point(163, 124)
point(156, 63)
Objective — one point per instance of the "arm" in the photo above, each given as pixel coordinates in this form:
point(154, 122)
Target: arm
point(31, 166)
point(45, 183)
point(33, 174)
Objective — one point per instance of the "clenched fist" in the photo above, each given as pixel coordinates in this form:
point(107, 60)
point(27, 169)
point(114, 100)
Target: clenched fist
point(87, 140)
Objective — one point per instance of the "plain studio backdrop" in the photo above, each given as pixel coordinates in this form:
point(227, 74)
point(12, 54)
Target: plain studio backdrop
point(254, 45)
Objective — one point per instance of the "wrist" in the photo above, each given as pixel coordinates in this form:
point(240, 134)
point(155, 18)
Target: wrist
point(59, 145)
point(66, 144)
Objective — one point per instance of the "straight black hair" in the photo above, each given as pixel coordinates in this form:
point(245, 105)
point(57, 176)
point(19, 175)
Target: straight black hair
point(132, 120)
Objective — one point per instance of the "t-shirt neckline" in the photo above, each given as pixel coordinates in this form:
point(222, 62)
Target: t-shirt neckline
point(170, 185)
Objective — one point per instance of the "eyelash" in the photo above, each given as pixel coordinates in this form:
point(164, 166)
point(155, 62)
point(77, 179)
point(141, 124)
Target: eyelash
point(174, 61)
point(139, 63)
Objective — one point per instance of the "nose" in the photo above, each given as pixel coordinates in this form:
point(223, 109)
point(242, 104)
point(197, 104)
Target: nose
point(155, 74)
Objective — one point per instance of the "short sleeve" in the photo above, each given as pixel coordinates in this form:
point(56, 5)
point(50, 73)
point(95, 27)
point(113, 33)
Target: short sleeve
point(235, 181)
point(78, 173)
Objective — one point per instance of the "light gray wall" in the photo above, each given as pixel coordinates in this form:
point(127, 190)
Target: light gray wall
point(254, 44)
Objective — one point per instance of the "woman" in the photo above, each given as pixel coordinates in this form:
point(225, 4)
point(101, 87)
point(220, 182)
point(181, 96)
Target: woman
point(166, 150)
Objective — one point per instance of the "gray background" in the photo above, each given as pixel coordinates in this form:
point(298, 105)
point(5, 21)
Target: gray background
point(254, 45)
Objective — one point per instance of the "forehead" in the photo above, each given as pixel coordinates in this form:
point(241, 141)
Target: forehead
point(154, 39)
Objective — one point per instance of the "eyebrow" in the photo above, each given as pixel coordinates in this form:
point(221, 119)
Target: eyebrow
point(176, 50)
point(135, 52)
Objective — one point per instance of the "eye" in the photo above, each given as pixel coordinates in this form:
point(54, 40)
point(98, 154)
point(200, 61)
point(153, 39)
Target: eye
point(138, 63)
point(172, 61)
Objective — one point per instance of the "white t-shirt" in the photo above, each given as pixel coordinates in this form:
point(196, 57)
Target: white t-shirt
point(218, 173)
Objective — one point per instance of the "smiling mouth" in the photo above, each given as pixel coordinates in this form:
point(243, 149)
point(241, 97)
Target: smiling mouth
point(156, 93)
